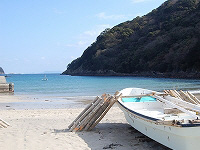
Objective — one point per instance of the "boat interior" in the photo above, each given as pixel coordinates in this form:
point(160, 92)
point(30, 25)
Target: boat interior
point(137, 101)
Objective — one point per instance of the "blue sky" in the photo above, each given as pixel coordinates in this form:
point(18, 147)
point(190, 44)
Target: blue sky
point(45, 35)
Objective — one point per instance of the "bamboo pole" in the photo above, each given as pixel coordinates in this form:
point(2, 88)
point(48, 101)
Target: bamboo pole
point(83, 112)
point(98, 113)
point(176, 106)
point(82, 124)
point(3, 123)
point(178, 95)
point(93, 113)
point(112, 101)
point(166, 91)
point(172, 93)
point(3, 126)
point(186, 97)
point(183, 96)
point(184, 104)
point(105, 112)
point(193, 97)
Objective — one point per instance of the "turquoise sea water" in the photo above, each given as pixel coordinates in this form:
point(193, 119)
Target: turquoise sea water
point(71, 86)
point(61, 91)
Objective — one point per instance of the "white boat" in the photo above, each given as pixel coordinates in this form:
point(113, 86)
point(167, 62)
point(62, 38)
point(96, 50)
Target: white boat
point(165, 119)
point(45, 78)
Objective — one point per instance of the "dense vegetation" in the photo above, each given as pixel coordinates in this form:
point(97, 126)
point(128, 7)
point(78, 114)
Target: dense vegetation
point(166, 41)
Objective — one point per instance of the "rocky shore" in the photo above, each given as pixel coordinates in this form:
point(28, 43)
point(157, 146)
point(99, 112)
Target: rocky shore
point(152, 74)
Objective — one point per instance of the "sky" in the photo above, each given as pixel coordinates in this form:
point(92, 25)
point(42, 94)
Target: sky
point(44, 36)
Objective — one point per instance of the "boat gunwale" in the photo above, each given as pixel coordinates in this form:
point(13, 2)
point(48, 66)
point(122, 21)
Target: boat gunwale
point(157, 121)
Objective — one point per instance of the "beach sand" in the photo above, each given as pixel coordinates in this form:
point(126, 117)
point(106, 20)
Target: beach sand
point(47, 129)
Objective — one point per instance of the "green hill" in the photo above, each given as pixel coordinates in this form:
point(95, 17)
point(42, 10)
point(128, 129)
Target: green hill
point(163, 43)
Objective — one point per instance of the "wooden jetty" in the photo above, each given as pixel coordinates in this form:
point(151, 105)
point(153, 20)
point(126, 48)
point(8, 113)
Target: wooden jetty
point(93, 113)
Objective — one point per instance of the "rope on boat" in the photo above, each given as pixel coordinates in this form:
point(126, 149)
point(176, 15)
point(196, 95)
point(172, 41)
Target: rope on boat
point(93, 113)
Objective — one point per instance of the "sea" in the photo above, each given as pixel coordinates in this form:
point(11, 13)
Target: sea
point(73, 90)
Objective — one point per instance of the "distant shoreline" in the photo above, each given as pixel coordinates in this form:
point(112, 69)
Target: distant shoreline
point(176, 75)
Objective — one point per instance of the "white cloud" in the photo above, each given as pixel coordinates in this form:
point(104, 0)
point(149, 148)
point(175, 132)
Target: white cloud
point(90, 36)
point(86, 38)
point(96, 31)
point(103, 15)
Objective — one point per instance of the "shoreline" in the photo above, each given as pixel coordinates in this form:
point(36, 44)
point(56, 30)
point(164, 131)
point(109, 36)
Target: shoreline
point(151, 74)
point(19, 102)
point(30, 102)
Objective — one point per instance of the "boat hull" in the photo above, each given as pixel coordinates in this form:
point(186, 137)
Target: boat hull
point(178, 138)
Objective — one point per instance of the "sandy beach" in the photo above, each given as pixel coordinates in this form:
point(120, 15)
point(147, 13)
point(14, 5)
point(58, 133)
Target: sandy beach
point(47, 129)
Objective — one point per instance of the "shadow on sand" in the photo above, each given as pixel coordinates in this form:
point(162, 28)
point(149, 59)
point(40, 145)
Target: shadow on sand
point(117, 136)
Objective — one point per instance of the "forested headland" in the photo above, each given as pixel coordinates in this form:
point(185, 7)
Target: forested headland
point(162, 43)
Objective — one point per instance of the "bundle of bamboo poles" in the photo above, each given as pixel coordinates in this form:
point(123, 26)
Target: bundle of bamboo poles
point(3, 124)
point(186, 96)
point(93, 113)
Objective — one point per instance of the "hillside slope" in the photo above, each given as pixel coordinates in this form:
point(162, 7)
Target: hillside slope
point(165, 42)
